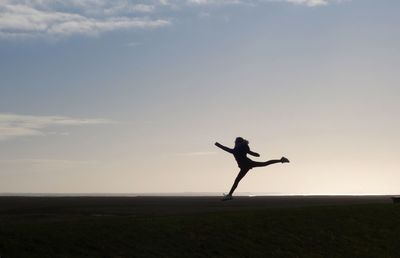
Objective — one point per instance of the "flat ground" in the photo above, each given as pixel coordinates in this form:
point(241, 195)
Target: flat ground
point(168, 205)
point(367, 226)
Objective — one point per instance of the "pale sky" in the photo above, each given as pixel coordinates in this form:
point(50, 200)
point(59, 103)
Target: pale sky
point(124, 96)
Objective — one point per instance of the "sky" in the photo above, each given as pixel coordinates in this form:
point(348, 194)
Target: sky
point(129, 96)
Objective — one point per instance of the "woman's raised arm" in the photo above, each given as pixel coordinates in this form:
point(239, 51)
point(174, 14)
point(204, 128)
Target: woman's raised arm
point(223, 147)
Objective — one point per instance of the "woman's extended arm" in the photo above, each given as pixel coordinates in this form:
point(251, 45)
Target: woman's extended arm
point(223, 147)
point(255, 154)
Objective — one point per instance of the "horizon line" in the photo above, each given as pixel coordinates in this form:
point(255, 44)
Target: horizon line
point(184, 194)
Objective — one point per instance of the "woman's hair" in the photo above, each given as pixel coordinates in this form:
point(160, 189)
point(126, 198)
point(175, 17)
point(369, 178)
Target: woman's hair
point(241, 141)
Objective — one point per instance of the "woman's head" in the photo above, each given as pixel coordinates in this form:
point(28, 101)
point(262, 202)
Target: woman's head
point(240, 141)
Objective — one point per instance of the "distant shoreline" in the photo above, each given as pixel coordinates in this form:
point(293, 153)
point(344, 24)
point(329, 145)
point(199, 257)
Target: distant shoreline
point(200, 194)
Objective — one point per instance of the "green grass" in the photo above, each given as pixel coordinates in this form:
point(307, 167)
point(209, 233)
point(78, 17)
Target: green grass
point(342, 231)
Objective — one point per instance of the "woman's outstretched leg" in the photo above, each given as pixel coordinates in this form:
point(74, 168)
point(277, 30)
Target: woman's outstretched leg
point(239, 177)
point(269, 162)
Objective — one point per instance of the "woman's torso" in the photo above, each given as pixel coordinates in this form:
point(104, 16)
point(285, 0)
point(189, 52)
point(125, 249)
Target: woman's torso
point(240, 154)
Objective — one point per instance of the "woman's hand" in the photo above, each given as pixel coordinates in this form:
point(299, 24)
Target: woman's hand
point(252, 153)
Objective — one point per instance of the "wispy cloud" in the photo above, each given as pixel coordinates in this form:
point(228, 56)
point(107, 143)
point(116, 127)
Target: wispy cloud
point(220, 2)
point(36, 18)
point(125, 7)
point(62, 18)
point(48, 161)
point(308, 2)
point(196, 153)
point(38, 164)
point(133, 44)
point(13, 125)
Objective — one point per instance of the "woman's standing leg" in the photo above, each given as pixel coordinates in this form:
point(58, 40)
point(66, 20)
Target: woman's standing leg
point(239, 177)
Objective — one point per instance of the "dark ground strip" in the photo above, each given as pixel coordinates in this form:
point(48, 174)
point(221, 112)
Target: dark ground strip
point(169, 205)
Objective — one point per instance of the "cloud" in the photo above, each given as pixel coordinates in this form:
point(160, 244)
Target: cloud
point(124, 7)
point(206, 2)
point(37, 18)
point(196, 153)
point(36, 164)
point(308, 2)
point(133, 44)
point(63, 18)
point(14, 126)
point(48, 161)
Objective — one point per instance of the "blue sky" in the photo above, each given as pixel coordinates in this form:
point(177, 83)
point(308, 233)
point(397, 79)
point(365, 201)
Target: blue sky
point(129, 96)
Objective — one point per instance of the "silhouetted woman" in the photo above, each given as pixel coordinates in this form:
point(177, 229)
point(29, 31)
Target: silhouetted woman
point(240, 152)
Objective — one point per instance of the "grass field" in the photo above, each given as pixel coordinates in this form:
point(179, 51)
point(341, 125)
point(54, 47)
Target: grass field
point(348, 230)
